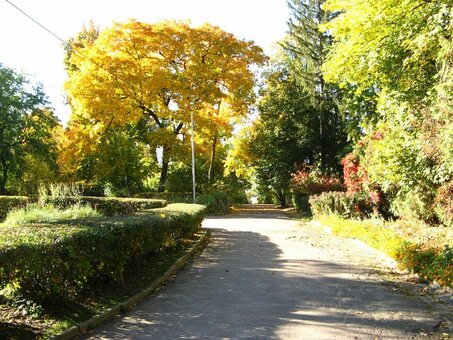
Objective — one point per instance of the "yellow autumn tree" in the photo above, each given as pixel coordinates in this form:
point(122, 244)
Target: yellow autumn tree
point(162, 73)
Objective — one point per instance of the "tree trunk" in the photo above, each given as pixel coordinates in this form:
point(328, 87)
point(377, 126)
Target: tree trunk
point(164, 171)
point(4, 177)
point(211, 163)
point(322, 147)
point(281, 197)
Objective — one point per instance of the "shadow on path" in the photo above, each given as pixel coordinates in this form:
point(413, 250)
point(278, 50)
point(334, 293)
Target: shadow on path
point(244, 287)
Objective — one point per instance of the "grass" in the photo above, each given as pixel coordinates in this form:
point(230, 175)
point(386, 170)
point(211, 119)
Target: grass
point(424, 250)
point(35, 213)
point(19, 324)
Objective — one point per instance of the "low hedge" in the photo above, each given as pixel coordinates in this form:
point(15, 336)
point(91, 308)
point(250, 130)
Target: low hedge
point(342, 204)
point(8, 203)
point(47, 263)
point(109, 205)
point(174, 197)
point(431, 261)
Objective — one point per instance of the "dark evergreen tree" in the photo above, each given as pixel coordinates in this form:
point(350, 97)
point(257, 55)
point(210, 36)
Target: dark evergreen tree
point(305, 50)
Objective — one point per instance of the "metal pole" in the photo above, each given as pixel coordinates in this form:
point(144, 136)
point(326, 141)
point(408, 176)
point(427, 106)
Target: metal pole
point(193, 158)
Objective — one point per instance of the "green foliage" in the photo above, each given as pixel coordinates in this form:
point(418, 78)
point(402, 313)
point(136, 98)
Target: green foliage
point(357, 205)
point(34, 213)
point(26, 126)
point(285, 134)
point(216, 202)
point(173, 197)
point(109, 205)
point(402, 50)
point(46, 263)
point(332, 203)
point(304, 51)
point(431, 260)
point(393, 44)
point(10, 203)
point(55, 191)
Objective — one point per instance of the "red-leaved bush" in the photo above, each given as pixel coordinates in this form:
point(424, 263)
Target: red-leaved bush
point(353, 179)
point(367, 196)
point(311, 182)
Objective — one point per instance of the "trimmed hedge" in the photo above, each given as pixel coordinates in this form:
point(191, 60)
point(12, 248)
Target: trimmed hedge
point(174, 197)
point(109, 206)
point(433, 262)
point(217, 202)
point(46, 263)
point(8, 203)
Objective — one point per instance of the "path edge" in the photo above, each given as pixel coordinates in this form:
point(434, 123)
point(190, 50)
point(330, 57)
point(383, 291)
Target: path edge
point(127, 304)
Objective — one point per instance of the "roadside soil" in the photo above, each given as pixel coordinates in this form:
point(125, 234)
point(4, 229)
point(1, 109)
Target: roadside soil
point(267, 276)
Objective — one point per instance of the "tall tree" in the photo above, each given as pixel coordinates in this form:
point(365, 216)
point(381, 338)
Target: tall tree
point(306, 48)
point(283, 138)
point(26, 126)
point(163, 72)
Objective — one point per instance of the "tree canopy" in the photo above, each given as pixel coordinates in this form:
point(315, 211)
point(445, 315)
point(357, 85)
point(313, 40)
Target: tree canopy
point(161, 73)
point(26, 125)
point(403, 49)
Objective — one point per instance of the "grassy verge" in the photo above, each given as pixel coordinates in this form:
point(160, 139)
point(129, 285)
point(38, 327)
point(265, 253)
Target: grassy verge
point(426, 251)
point(23, 322)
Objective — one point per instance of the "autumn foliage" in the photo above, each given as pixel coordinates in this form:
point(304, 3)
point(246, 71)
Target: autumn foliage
point(157, 76)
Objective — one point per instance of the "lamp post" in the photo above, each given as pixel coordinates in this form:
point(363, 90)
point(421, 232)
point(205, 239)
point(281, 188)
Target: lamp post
point(193, 158)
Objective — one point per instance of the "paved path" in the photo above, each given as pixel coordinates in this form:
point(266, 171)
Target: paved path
point(269, 277)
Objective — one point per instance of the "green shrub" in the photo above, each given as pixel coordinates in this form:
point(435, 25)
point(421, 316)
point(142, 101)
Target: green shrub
point(47, 263)
point(331, 203)
point(174, 197)
point(9, 203)
point(34, 213)
point(217, 202)
point(109, 205)
point(414, 204)
point(342, 204)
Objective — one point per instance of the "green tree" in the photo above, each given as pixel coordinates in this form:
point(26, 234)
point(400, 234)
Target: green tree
point(26, 125)
point(305, 50)
point(404, 50)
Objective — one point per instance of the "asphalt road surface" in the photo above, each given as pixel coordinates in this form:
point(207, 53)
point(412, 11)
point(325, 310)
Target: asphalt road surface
point(265, 276)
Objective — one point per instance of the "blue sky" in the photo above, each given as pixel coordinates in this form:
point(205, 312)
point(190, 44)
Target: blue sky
point(27, 48)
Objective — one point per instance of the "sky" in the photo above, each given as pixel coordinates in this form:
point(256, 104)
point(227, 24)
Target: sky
point(27, 48)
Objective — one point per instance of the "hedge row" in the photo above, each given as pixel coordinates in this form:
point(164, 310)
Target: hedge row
point(47, 263)
point(433, 262)
point(217, 202)
point(8, 203)
point(109, 206)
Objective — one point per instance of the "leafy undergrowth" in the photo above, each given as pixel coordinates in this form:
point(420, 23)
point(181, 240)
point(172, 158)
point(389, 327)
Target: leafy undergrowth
point(423, 250)
point(20, 320)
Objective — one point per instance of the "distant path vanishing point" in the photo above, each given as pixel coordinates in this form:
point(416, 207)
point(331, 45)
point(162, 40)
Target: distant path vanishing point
point(265, 276)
